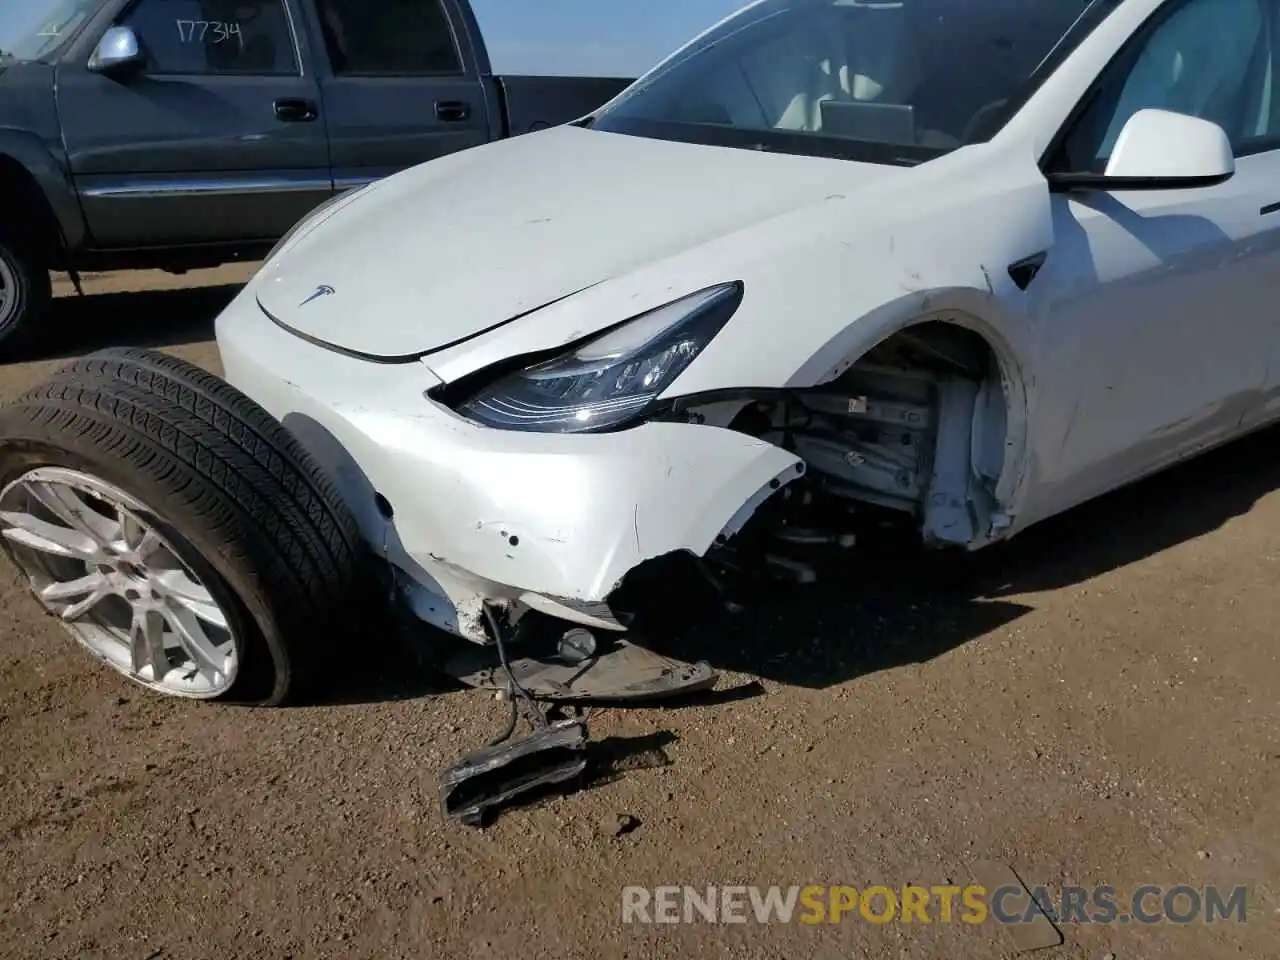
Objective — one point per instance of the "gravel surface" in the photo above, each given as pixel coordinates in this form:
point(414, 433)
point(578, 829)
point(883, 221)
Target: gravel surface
point(1094, 703)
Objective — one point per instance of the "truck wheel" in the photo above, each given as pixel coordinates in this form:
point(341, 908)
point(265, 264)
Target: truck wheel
point(25, 289)
point(178, 530)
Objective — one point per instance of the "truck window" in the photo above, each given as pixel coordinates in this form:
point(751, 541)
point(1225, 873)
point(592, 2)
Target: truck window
point(402, 38)
point(211, 37)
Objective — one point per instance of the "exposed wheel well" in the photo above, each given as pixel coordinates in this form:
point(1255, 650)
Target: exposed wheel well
point(960, 388)
point(36, 228)
point(918, 434)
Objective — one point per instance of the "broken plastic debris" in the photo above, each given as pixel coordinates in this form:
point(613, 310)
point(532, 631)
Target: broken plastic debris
point(493, 777)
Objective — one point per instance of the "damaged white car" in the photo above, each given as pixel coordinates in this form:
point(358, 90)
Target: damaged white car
point(957, 265)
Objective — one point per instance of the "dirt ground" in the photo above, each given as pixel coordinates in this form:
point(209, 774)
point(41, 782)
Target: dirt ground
point(1095, 703)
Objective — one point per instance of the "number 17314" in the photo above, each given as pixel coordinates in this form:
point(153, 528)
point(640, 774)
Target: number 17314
point(208, 31)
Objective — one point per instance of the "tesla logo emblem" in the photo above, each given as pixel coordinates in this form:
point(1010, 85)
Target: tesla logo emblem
point(323, 290)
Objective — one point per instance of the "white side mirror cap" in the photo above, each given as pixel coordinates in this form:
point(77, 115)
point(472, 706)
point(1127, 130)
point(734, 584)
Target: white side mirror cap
point(1163, 145)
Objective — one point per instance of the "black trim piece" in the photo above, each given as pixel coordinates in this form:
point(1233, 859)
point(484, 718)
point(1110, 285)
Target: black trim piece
point(676, 408)
point(1065, 182)
point(410, 357)
point(791, 142)
point(1269, 208)
point(1023, 271)
point(316, 341)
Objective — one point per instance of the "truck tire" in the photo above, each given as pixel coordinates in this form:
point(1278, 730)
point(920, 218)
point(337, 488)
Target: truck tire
point(178, 530)
point(25, 289)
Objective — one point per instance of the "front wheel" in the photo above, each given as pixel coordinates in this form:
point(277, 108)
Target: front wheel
point(25, 290)
point(177, 530)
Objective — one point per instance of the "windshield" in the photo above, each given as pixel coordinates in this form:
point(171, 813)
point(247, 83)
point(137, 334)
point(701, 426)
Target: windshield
point(34, 29)
point(891, 81)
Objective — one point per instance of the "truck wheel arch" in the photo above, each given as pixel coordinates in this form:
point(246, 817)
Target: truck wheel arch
point(34, 179)
point(35, 223)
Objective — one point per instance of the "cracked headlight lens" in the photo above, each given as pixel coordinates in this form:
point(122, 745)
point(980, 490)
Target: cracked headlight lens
point(611, 379)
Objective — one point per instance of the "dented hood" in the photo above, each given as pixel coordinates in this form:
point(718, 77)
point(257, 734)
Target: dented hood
point(436, 255)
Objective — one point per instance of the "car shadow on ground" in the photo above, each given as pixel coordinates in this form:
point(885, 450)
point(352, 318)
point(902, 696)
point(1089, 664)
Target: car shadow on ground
point(910, 605)
point(147, 318)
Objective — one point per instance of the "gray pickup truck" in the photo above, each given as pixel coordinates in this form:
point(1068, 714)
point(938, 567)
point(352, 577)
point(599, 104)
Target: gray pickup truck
point(179, 134)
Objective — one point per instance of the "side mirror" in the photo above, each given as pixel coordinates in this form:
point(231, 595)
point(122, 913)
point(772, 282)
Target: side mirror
point(1160, 150)
point(117, 52)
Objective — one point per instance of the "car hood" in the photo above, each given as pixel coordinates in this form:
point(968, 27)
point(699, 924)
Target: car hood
point(448, 250)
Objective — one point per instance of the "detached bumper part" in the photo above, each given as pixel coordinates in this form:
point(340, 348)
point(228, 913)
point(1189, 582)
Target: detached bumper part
point(618, 672)
point(494, 776)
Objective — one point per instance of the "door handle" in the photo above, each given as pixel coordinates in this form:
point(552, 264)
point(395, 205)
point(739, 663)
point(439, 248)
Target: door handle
point(451, 111)
point(296, 111)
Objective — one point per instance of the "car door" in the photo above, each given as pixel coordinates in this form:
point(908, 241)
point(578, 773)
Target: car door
point(1161, 305)
point(402, 85)
point(216, 138)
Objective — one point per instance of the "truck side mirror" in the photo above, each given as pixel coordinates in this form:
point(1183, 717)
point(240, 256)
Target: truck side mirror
point(117, 52)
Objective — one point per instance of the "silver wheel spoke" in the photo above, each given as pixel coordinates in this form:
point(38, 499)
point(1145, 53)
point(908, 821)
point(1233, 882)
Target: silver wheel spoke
point(146, 643)
point(183, 592)
point(132, 531)
point(87, 591)
point(150, 546)
point(49, 538)
point(195, 642)
point(140, 543)
point(65, 504)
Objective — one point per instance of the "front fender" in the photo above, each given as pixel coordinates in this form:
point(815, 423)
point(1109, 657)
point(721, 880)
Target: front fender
point(928, 248)
point(829, 280)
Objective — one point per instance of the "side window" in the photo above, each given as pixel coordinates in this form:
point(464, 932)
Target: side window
point(1213, 59)
point(404, 38)
point(212, 37)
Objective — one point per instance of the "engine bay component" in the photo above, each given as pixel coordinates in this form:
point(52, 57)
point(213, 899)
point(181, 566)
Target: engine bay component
point(909, 440)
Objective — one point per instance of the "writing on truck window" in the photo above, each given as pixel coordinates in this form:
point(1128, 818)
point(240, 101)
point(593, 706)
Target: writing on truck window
point(211, 31)
point(213, 37)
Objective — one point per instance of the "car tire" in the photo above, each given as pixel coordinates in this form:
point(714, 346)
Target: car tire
point(25, 290)
point(235, 529)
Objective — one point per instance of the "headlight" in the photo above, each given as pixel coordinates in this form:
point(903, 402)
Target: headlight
point(612, 378)
point(312, 216)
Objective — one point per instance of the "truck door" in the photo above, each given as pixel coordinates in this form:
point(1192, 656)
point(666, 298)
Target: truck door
point(403, 87)
point(215, 137)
